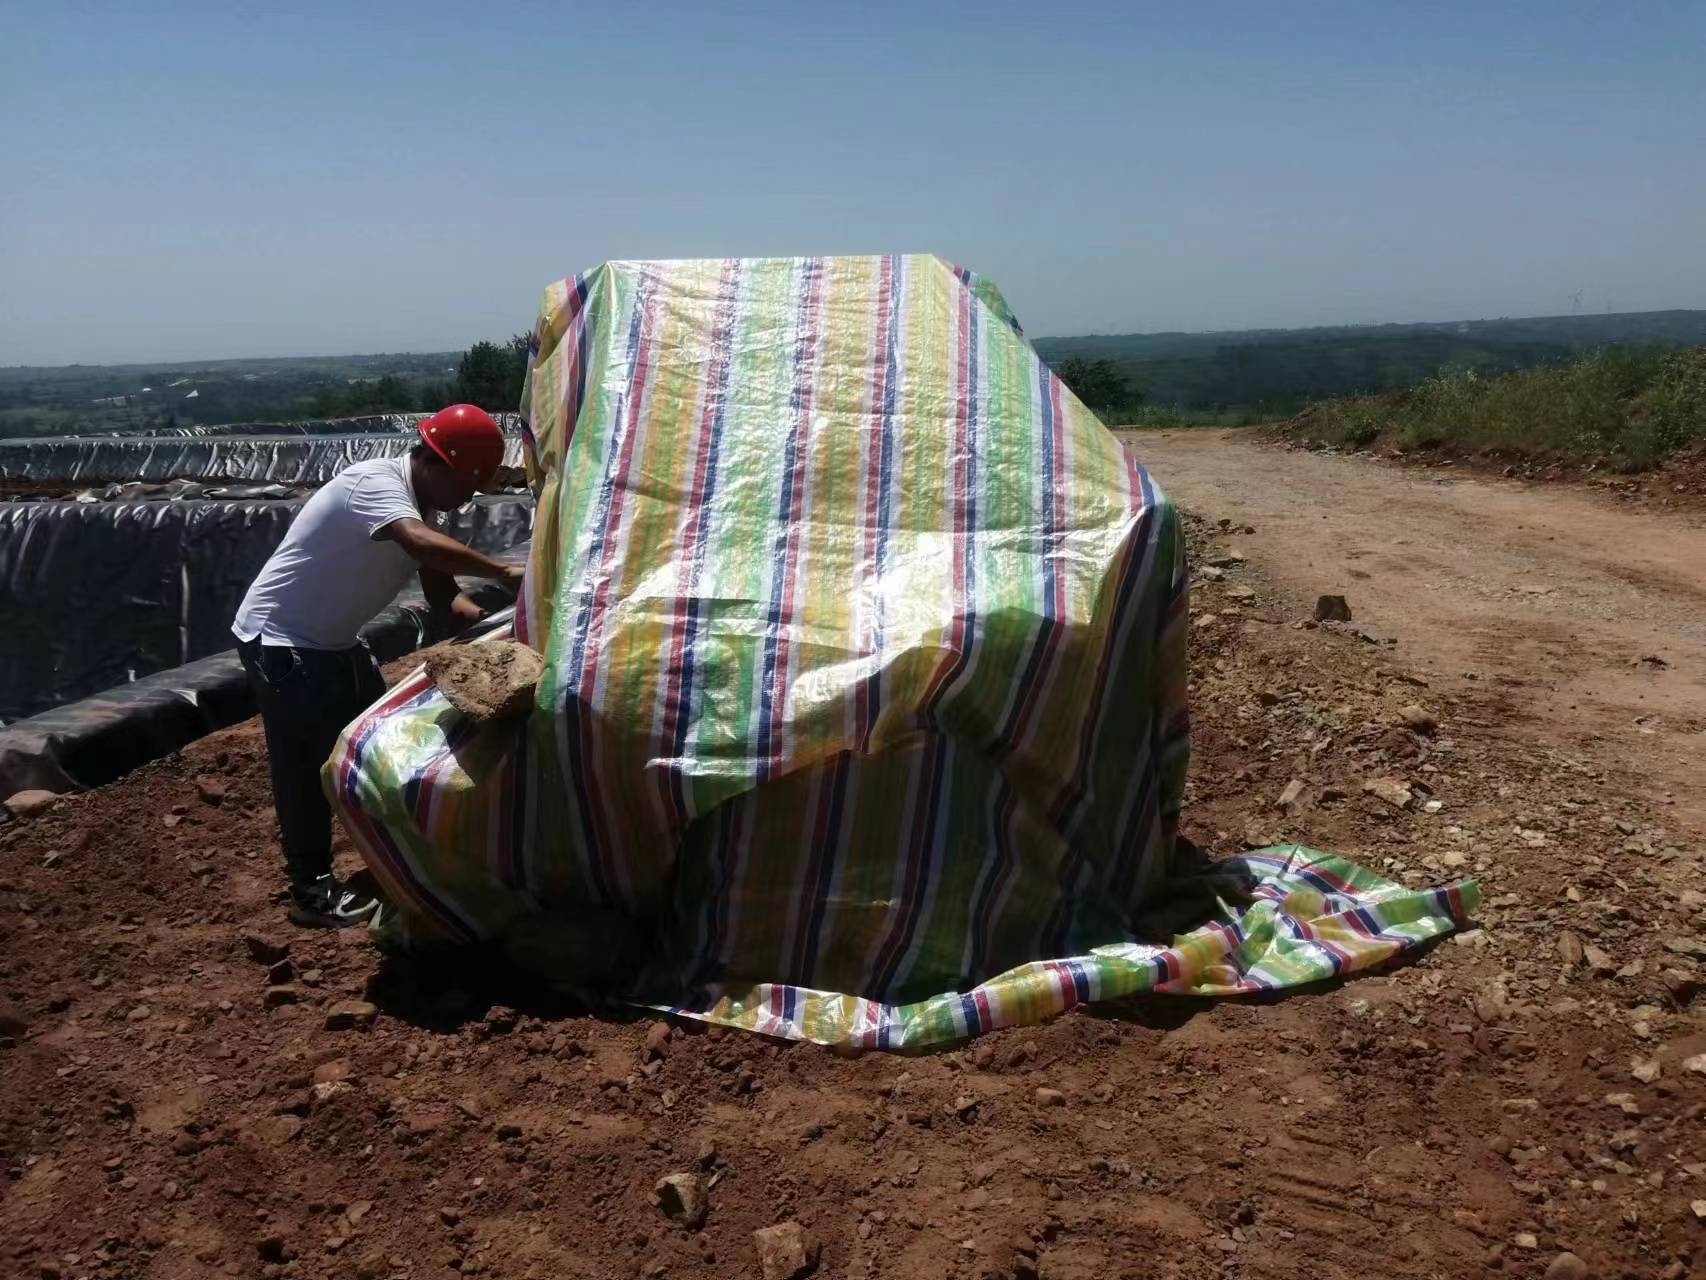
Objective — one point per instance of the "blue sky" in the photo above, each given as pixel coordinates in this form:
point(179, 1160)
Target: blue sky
point(232, 179)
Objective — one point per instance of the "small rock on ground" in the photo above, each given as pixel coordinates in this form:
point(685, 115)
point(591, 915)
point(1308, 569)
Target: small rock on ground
point(1419, 718)
point(657, 1041)
point(1566, 1266)
point(348, 1014)
point(785, 1251)
point(1392, 791)
point(683, 1198)
point(264, 950)
point(1332, 609)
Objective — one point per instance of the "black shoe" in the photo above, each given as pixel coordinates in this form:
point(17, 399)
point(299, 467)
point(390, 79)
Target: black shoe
point(326, 904)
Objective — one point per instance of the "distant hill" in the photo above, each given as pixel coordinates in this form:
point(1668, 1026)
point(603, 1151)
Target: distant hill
point(55, 400)
point(1269, 372)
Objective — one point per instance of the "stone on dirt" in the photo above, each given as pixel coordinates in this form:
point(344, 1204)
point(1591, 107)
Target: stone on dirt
point(490, 681)
point(1566, 1266)
point(1050, 1098)
point(264, 950)
point(349, 1014)
point(282, 994)
point(1418, 718)
point(1602, 965)
point(1291, 799)
point(1570, 950)
point(1391, 790)
point(26, 804)
point(1332, 609)
point(657, 1041)
point(785, 1251)
point(683, 1198)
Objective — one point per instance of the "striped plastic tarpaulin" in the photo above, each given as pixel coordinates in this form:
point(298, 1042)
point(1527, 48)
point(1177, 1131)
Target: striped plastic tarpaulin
point(864, 691)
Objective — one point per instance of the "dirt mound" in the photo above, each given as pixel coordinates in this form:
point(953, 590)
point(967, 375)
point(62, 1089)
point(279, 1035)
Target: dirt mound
point(493, 680)
point(186, 1092)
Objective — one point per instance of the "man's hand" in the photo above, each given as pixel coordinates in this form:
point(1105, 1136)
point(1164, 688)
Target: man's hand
point(513, 576)
point(464, 613)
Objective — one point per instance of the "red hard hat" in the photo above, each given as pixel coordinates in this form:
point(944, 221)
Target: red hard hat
point(465, 436)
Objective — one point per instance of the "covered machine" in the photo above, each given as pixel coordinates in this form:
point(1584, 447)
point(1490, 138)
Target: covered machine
point(863, 715)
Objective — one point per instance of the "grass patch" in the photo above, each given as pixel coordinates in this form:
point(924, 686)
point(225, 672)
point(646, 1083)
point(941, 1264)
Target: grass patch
point(1631, 406)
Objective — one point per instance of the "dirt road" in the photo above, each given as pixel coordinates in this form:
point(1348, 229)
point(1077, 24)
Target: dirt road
point(1555, 596)
point(1534, 1088)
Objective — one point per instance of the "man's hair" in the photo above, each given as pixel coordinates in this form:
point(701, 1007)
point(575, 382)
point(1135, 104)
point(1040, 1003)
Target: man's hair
point(425, 452)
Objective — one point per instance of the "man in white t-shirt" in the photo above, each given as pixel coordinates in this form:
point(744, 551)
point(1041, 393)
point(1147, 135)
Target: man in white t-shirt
point(349, 552)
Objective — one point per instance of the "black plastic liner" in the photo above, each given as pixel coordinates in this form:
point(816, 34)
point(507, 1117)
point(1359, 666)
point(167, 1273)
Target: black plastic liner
point(92, 742)
point(288, 459)
point(362, 424)
point(97, 594)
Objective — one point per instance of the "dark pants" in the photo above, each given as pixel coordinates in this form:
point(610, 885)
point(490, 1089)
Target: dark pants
point(306, 698)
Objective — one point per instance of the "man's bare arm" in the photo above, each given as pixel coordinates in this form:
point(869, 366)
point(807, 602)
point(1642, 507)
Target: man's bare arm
point(433, 550)
point(454, 611)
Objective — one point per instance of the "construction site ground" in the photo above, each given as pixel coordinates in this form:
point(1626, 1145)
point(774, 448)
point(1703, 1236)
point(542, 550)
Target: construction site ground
point(1534, 1087)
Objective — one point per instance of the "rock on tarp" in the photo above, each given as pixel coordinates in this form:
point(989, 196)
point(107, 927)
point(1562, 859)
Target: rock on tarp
point(864, 689)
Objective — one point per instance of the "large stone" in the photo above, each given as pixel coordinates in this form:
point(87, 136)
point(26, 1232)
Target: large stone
point(26, 804)
point(490, 681)
point(785, 1251)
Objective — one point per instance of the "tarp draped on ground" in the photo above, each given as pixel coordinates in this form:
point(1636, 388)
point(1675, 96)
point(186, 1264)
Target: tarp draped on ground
point(865, 676)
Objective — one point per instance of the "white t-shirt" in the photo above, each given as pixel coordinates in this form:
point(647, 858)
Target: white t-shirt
point(330, 576)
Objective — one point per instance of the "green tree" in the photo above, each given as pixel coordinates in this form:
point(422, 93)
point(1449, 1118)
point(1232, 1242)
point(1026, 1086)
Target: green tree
point(1098, 383)
point(391, 395)
point(433, 396)
point(491, 374)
